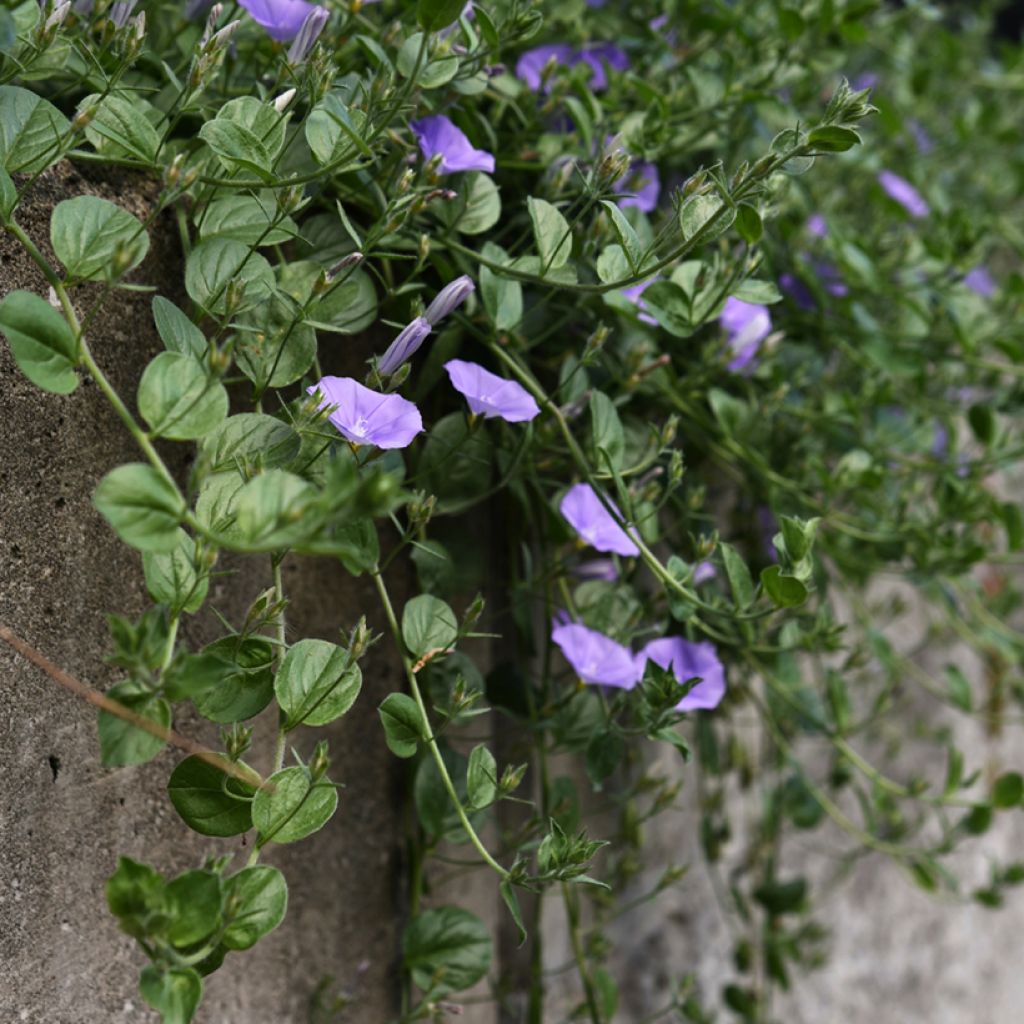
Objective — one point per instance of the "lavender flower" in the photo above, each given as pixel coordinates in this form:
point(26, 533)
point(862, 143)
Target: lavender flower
point(635, 295)
point(404, 346)
point(687, 661)
point(797, 291)
point(904, 193)
point(281, 18)
point(644, 182)
point(595, 657)
point(747, 324)
point(489, 395)
point(602, 569)
point(368, 417)
point(530, 66)
point(600, 57)
point(582, 510)
point(437, 135)
point(449, 298)
point(817, 226)
point(309, 32)
point(980, 281)
point(704, 571)
point(121, 12)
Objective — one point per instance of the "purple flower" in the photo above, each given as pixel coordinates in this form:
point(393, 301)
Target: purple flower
point(404, 346)
point(308, 35)
point(644, 182)
point(368, 417)
point(489, 395)
point(635, 295)
point(687, 661)
point(747, 324)
point(595, 657)
point(921, 137)
point(904, 193)
point(865, 80)
point(597, 56)
point(281, 18)
point(797, 290)
point(449, 298)
point(437, 135)
point(979, 280)
point(530, 66)
point(703, 571)
point(583, 511)
point(817, 226)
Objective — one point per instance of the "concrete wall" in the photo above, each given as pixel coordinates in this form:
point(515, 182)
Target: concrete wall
point(63, 818)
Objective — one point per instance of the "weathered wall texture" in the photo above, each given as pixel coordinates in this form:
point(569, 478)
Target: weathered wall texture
point(63, 818)
point(895, 953)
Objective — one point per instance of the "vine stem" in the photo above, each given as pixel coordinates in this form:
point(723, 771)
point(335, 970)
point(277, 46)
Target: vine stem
point(572, 911)
point(281, 630)
point(431, 742)
point(113, 707)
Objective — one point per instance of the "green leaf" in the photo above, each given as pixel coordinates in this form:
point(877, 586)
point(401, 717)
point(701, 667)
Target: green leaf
point(292, 807)
point(782, 897)
point(247, 687)
point(171, 576)
point(350, 306)
point(481, 778)
point(120, 128)
point(704, 215)
point(316, 683)
point(195, 901)
point(273, 349)
point(334, 130)
point(209, 801)
point(508, 894)
point(43, 345)
point(33, 131)
point(959, 688)
point(456, 462)
point(478, 206)
point(628, 238)
point(179, 399)
point(833, 139)
point(1008, 790)
point(785, 591)
point(748, 224)
point(740, 581)
point(251, 441)
point(215, 263)
point(255, 901)
point(670, 306)
point(246, 134)
point(95, 239)
point(143, 508)
point(176, 331)
point(275, 510)
point(174, 993)
point(122, 743)
point(433, 73)
point(403, 724)
point(135, 895)
point(607, 437)
point(8, 196)
point(435, 14)
point(551, 232)
point(428, 625)
point(250, 219)
point(447, 949)
point(604, 754)
point(502, 296)
point(760, 292)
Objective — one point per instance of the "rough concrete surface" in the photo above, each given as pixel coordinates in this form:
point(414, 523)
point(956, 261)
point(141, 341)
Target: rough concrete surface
point(63, 818)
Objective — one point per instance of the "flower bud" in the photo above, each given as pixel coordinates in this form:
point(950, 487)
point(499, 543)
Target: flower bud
point(173, 173)
point(449, 298)
point(282, 101)
point(59, 13)
point(473, 612)
point(83, 118)
point(237, 740)
point(195, 7)
point(121, 12)
point(320, 763)
point(360, 640)
point(351, 259)
point(405, 181)
point(405, 345)
point(307, 36)
point(511, 777)
point(233, 295)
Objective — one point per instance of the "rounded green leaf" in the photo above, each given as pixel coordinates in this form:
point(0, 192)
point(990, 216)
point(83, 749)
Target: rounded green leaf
point(209, 801)
point(481, 778)
point(448, 949)
point(317, 683)
point(292, 807)
point(178, 398)
point(403, 724)
point(195, 900)
point(251, 440)
point(217, 262)
point(428, 625)
point(33, 132)
point(174, 994)
point(1008, 790)
point(121, 742)
point(43, 345)
point(255, 903)
point(171, 576)
point(95, 239)
point(143, 508)
point(248, 688)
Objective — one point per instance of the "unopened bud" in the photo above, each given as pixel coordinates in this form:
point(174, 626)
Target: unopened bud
point(307, 35)
point(694, 182)
point(282, 101)
point(675, 467)
point(290, 199)
point(320, 763)
point(473, 612)
point(234, 294)
point(511, 777)
point(405, 181)
point(424, 248)
point(237, 740)
point(194, 7)
point(83, 118)
point(449, 298)
point(421, 509)
point(173, 173)
point(360, 640)
point(57, 16)
point(668, 432)
point(596, 341)
point(405, 345)
point(121, 12)
point(352, 259)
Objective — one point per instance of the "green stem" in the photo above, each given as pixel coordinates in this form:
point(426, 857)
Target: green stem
point(431, 742)
point(572, 911)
